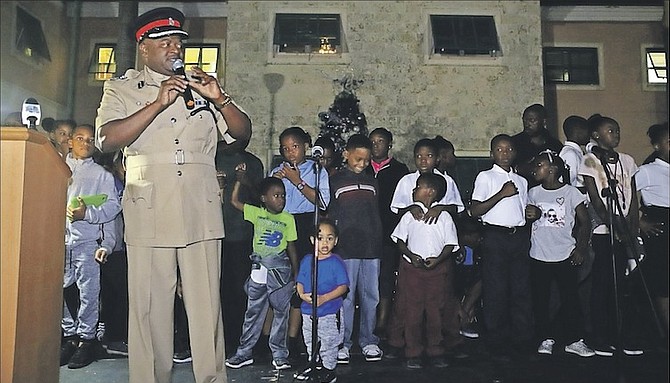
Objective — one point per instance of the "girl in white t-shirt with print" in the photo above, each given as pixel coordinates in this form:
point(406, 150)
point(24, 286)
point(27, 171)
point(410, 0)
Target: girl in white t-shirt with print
point(605, 307)
point(555, 253)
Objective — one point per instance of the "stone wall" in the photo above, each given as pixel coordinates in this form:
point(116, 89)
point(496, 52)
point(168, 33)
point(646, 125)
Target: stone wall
point(404, 89)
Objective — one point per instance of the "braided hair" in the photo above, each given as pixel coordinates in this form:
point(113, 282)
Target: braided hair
point(556, 161)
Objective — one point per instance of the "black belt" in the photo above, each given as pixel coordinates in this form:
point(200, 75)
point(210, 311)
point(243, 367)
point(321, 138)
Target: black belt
point(503, 229)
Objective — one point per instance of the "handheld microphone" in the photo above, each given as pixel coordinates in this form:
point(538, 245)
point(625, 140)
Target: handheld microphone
point(317, 151)
point(31, 113)
point(178, 69)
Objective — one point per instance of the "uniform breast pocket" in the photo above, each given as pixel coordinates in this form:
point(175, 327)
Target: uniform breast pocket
point(138, 210)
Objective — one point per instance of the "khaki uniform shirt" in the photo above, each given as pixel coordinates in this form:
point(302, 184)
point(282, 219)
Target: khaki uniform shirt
point(172, 197)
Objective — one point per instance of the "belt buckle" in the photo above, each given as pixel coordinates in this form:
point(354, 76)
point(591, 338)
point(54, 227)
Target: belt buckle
point(179, 157)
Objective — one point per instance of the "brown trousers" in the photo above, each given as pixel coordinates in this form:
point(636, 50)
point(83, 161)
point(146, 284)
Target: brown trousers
point(419, 291)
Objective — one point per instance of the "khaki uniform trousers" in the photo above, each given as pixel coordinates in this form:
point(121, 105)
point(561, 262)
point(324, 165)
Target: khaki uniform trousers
point(152, 280)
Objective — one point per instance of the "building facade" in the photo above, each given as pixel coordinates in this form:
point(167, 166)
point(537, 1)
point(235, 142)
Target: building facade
point(407, 76)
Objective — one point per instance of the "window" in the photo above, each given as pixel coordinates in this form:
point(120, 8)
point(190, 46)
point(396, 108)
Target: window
point(571, 65)
point(466, 171)
point(30, 39)
point(206, 56)
point(307, 33)
point(103, 64)
point(464, 35)
point(657, 70)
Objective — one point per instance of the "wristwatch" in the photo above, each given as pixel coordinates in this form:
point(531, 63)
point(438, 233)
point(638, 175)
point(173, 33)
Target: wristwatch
point(301, 185)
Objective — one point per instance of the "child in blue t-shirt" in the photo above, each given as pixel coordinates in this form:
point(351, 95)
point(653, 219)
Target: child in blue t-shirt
point(274, 262)
point(332, 284)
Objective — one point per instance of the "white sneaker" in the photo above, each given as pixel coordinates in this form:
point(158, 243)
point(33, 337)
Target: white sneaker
point(372, 353)
point(547, 347)
point(343, 356)
point(580, 348)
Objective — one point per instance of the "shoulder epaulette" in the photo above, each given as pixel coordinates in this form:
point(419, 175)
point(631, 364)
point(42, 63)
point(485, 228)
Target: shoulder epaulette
point(130, 74)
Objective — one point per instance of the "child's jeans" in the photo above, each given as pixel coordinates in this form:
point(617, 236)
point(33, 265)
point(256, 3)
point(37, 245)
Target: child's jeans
point(329, 334)
point(257, 307)
point(364, 280)
point(82, 268)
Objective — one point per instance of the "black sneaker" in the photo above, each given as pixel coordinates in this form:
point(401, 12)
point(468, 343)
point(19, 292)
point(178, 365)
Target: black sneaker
point(281, 364)
point(327, 376)
point(603, 350)
point(237, 361)
point(439, 362)
point(182, 357)
point(84, 355)
point(457, 352)
point(305, 374)
point(116, 348)
point(633, 350)
point(67, 349)
point(393, 352)
point(414, 364)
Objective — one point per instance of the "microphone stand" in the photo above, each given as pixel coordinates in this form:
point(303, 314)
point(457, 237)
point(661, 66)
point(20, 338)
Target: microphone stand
point(315, 269)
point(618, 225)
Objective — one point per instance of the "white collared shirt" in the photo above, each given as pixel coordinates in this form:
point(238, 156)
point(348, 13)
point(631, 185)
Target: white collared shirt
point(572, 155)
point(402, 197)
point(509, 211)
point(653, 182)
point(423, 239)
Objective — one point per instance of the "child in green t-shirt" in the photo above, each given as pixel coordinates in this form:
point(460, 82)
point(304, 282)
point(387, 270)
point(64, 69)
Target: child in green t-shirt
point(274, 264)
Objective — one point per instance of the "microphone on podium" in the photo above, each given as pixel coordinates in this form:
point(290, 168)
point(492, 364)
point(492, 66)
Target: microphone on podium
point(31, 113)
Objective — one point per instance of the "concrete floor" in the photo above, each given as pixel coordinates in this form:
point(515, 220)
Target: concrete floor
point(478, 368)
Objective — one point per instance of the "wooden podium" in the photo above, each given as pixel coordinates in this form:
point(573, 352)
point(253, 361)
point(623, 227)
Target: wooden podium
point(34, 186)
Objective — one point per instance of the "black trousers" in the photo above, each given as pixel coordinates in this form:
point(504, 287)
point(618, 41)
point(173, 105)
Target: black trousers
point(568, 324)
point(236, 267)
point(632, 301)
point(506, 286)
point(114, 297)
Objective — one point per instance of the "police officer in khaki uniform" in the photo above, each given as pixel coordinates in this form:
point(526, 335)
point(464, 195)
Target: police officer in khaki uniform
point(171, 204)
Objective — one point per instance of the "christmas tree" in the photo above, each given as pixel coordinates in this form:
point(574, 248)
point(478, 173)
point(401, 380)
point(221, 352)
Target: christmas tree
point(344, 118)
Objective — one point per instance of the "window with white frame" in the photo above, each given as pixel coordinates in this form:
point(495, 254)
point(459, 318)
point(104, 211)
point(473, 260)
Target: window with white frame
point(30, 40)
point(307, 33)
point(103, 64)
point(657, 69)
point(464, 35)
point(571, 65)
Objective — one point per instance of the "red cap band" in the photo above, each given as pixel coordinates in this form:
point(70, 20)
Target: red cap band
point(155, 24)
